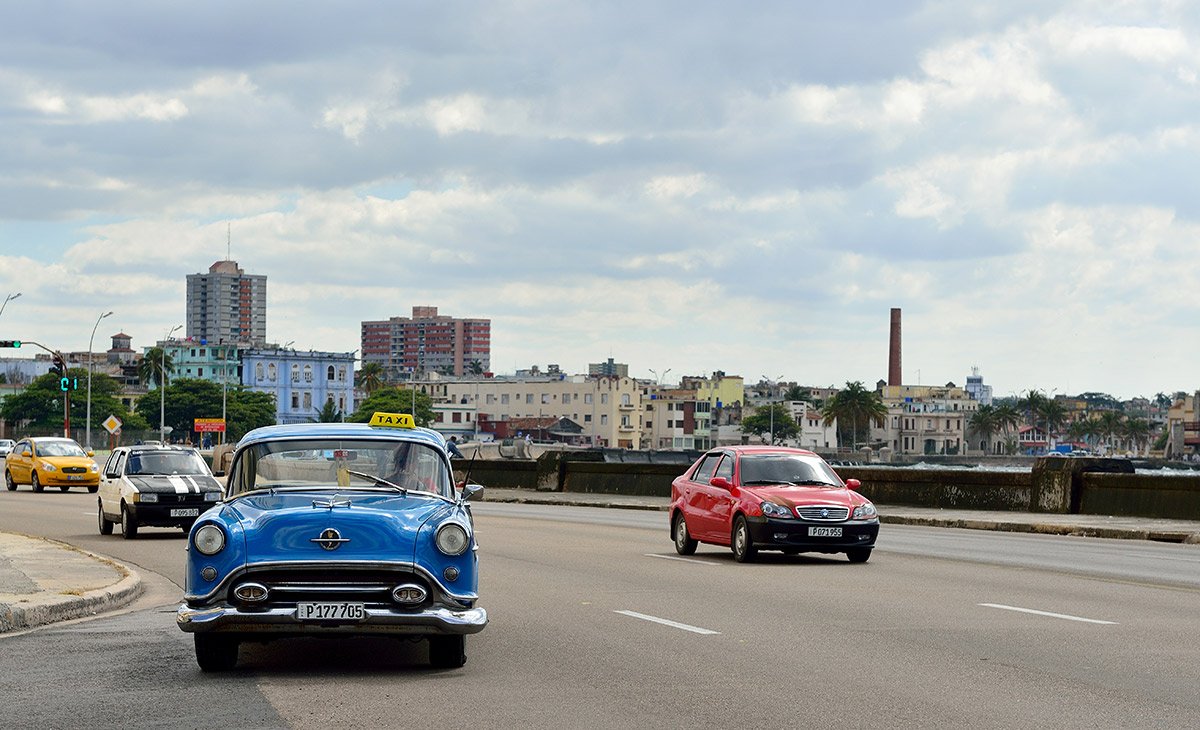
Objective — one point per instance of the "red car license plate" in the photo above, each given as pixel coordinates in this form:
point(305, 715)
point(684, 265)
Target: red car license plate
point(824, 532)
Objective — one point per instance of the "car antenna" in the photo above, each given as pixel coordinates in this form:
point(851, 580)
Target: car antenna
point(467, 473)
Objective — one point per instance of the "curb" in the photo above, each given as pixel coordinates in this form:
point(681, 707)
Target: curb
point(23, 616)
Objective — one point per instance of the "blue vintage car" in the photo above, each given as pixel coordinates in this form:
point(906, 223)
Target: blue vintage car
point(335, 529)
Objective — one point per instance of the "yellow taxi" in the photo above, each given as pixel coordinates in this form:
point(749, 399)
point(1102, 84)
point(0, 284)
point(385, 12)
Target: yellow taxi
point(50, 462)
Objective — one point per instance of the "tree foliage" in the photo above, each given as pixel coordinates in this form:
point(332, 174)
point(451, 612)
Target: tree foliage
point(855, 409)
point(40, 404)
point(393, 399)
point(771, 419)
point(153, 364)
point(190, 398)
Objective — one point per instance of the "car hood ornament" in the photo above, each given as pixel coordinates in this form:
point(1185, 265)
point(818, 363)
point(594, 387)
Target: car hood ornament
point(330, 539)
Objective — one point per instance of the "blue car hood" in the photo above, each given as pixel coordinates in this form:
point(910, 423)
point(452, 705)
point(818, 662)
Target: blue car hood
point(375, 526)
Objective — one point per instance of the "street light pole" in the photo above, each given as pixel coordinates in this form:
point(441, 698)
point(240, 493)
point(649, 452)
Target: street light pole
point(88, 428)
point(8, 299)
point(771, 403)
point(162, 386)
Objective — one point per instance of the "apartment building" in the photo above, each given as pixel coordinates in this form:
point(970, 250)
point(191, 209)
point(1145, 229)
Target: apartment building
point(427, 342)
point(302, 381)
point(608, 408)
point(227, 305)
point(675, 418)
point(925, 419)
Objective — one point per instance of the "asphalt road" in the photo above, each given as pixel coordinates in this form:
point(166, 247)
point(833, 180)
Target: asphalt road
point(595, 622)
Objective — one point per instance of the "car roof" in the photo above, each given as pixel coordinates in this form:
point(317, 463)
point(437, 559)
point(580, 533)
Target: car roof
point(289, 431)
point(747, 449)
point(155, 447)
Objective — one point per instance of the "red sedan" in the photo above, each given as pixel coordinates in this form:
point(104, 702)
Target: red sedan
point(755, 498)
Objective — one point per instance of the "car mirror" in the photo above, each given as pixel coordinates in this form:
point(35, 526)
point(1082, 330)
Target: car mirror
point(91, 453)
point(470, 492)
point(720, 483)
point(853, 484)
point(218, 473)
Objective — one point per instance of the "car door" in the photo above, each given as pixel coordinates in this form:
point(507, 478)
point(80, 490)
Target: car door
point(723, 501)
point(110, 483)
point(697, 507)
point(21, 465)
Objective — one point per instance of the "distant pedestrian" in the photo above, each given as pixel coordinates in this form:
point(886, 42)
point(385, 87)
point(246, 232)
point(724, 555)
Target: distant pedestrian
point(452, 448)
point(528, 440)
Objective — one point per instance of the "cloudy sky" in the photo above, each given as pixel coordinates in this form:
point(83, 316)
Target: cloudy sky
point(688, 185)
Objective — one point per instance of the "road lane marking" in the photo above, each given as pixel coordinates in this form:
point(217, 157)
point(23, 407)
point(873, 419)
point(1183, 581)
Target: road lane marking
point(1048, 613)
point(693, 561)
point(667, 622)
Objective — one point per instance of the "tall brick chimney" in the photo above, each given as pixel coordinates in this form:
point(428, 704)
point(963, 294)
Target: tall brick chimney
point(894, 377)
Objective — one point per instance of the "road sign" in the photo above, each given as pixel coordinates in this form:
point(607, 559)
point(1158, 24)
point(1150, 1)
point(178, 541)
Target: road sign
point(209, 424)
point(112, 424)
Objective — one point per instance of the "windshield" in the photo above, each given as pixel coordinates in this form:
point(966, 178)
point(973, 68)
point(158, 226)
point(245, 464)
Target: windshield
point(166, 462)
point(786, 469)
point(59, 448)
point(341, 463)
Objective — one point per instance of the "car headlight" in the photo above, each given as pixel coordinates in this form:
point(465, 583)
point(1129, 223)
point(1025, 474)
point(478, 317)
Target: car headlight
point(209, 540)
point(452, 539)
point(47, 466)
point(864, 512)
point(770, 509)
point(147, 497)
point(94, 468)
point(212, 496)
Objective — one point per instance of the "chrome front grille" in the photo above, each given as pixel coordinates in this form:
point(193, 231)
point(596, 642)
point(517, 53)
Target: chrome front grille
point(823, 514)
point(74, 469)
point(287, 588)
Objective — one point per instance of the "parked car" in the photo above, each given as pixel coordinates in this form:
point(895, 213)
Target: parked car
point(6, 446)
point(332, 529)
point(50, 462)
point(157, 486)
point(753, 498)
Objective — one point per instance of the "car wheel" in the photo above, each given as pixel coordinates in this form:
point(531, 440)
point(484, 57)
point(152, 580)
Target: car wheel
point(8, 481)
point(684, 544)
point(216, 653)
point(105, 525)
point(447, 652)
point(129, 525)
point(63, 488)
point(93, 490)
point(741, 542)
point(187, 526)
point(858, 555)
point(33, 482)
point(791, 551)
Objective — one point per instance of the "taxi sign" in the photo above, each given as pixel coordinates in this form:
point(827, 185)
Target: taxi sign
point(392, 420)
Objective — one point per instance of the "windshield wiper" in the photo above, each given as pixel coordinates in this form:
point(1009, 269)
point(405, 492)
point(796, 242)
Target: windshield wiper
point(782, 482)
point(379, 481)
point(815, 482)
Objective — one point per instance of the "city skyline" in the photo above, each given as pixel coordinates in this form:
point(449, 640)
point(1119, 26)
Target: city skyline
point(694, 186)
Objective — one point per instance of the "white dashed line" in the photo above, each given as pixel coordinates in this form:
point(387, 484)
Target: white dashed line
point(1048, 613)
point(693, 561)
point(666, 622)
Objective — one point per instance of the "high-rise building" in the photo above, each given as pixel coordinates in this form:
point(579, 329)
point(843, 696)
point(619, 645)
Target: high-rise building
point(227, 306)
point(428, 342)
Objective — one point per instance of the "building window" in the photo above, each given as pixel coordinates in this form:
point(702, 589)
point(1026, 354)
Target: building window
point(342, 374)
point(199, 372)
point(529, 398)
point(295, 401)
point(271, 372)
point(587, 397)
point(456, 417)
point(307, 400)
point(308, 373)
point(329, 373)
point(603, 419)
point(604, 399)
point(295, 373)
point(545, 397)
point(504, 399)
point(625, 399)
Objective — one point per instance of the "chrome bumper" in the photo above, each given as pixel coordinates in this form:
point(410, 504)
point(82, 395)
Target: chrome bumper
point(284, 621)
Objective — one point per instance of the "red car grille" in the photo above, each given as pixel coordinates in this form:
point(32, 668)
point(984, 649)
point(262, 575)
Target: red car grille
point(823, 514)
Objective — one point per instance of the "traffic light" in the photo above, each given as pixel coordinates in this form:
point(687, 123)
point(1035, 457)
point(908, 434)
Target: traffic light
point(60, 365)
point(10, 343)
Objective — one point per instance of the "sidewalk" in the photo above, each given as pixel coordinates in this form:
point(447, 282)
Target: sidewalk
point(1130, 528)
point(44, 581)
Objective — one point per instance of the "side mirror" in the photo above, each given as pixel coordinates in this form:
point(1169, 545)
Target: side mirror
point(218, 473)
point(853, 484)
point(470, 492)
point(720, 483)
point(91, 453)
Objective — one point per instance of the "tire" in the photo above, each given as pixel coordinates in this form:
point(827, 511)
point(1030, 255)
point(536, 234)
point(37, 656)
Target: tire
point(447, 652)
point(33, 482)
point(106, 527)
point(93, 490)
point(858, 555)
point(791, 551)
point(684, 544)
point(187, 527)
point(216, 653)
point(740, 541)
point(64, 488)
point(129, 525)
point(8, 481)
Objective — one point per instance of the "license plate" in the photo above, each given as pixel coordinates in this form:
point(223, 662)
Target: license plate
point(75, 477)
point(191, 512)
point(330, 611)
point(824, 532)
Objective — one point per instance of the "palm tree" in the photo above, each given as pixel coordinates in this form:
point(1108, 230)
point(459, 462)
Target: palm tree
point(369, 377)
point(854, 406)
point(1052, 413)
point(1111, 425)
point(475, 367)
point(153, 364)
point(983, 422)
point(329, 413)
point(1137, 431)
